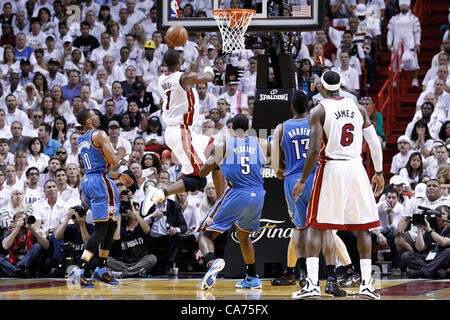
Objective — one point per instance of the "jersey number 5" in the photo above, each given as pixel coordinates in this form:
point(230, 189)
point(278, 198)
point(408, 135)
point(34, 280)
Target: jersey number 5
point(347, 135)
point(245, 165)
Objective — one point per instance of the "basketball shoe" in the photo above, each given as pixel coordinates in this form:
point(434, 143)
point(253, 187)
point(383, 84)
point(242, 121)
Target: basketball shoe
point(285, 280)
point(103, 275)
point(367, 290)
point(77, 276)
point(249, 283)
point(302, 275)
point(351, 279)
point(210, 277)
point(152, 195)
point(310, 290)
point(332, 288)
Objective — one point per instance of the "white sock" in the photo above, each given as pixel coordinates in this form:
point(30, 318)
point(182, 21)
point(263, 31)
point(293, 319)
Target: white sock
point(312, 267)
point(366, 269)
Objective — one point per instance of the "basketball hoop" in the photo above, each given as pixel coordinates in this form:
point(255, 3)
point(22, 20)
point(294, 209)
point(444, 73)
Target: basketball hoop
point(233, 24)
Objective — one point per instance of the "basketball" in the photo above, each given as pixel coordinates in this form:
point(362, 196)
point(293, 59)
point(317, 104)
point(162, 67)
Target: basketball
point(176, 36)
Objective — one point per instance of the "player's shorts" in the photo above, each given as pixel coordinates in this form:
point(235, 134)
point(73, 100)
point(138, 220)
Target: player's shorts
point(102, 196)
point(342, 197)
point(298, 209)
point(190, 148)
point(239, 206)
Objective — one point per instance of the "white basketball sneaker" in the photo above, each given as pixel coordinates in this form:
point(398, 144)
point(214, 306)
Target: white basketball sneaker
point(367, 290)
point(309, 290)
point(152, 195)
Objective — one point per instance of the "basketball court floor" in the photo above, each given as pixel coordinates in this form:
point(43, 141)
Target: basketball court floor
point(188, 289)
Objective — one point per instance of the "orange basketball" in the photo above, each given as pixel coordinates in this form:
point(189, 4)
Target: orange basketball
point(176, 36)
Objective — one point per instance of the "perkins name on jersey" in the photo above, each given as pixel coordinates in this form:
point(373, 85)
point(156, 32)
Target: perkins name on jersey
point(241, 149)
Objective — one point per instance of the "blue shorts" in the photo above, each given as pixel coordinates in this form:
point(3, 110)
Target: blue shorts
point(102, 196)
point(240, 206)
point(299, 208)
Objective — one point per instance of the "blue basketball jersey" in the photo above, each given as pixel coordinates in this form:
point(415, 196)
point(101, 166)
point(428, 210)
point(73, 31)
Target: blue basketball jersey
point(295, 144)
point(243, 162)
point(93, 159)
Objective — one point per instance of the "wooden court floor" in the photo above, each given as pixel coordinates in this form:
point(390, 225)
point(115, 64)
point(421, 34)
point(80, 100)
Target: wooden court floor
point(188, 289)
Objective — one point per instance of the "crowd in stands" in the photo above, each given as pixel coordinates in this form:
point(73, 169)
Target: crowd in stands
point(52, 66)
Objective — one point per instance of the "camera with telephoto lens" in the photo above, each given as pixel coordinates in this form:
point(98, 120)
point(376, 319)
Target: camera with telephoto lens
point(427, 213)
point(80, 210)
point(29, 220)
point(125, 206)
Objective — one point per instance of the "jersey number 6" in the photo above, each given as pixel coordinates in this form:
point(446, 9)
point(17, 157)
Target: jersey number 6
point(347, 134)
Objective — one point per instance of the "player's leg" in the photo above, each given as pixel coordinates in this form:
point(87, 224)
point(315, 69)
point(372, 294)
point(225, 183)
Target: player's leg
point(248, 253)
point(329, 252)
point(101, 273)
point(351, 278)
point(214, 265)
point(300, 249)
point(366, 288)
point(288, 278)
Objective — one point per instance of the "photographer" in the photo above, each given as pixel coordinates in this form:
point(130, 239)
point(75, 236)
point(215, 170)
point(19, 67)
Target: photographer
point(129, 253)
point(405, 239)
point(69, 240)
point(24, 242)
point(433, 246)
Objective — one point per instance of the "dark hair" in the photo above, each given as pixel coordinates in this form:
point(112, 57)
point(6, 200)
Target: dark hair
point(159, 132)
point(240, 122)
point(100, 17)
point(60, 169)
point(44, 82)
point(48, 128)
point(442, 135)
point(82, 116)
point(156, 162)
point(411, 172)
point(299, 101)
point(427, 103)
point(331, 77)
point(392, 190)
point(422, 123)
point(27, 172)
point(171, 57)
point(32, 140)
point(55, 132)
point(134, 121)
point(84, 23)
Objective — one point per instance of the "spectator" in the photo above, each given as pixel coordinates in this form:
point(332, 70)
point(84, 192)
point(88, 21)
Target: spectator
point(143, 99)
point(154, 136)
point(444, 177)
point(54, 77)
point(36, 157)
point(86, 42)
point(167, 225)
point(137, 119)
point(433, 246)
point(18, 142)
point(30, 99)
point(24, 242)
point(148, 64)
point(421, 138)
point(412, 172)
point(130, 78)
point(342, 8)
point(20, 162)
point(390, 212)
point(442, 99)
point(405, 27)
point(105, 49)
point(74, 232)
point(73, 88)
point(150, 165)
point(21, 49)
point(367, 103)
point(431, 118)
point(431, 199)
point(349, 75)
point(33, 193)
point(441, 73)
point(120, 102)
point(116, 140)
point(9, 62)
point(49, 110)
point(36, 38)
point(20, 25)
point(443, 59)
point(61, 104)
point(73, 176)
point(50, 212)
point(25, 75)
point(129, 253)
point(439, 158)
point(41, 84)
point(13, 114)
point(66, 193)
point(206, 100)
point(234, 97)
point(319, 61)
point(206, 203)
point(444, 133)
point(16, 204)
point(307, 78)
point(5, 130)
point(50, 144)
point(6, 157)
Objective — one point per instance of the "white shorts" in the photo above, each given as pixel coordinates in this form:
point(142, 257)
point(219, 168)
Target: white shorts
point(189, 148)
point(342, 197)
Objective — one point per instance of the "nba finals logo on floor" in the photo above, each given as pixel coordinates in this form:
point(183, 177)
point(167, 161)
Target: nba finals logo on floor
point(174, 9)
point(270, 229)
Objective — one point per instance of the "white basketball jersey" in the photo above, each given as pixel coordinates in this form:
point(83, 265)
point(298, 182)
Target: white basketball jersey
point(343, 125)
point(179, 106)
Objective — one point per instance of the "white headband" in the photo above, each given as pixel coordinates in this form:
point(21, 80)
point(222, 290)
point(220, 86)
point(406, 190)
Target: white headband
point(331, 87)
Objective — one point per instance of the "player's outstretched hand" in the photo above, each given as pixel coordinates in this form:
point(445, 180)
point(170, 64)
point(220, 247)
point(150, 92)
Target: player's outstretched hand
point(126, 179)
point(298, 189)
point(377, 184)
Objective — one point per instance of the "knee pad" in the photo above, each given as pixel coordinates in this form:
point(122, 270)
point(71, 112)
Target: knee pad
point(193, 183)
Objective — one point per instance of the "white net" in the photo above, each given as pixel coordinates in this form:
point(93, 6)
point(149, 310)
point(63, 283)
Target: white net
point(233, 24)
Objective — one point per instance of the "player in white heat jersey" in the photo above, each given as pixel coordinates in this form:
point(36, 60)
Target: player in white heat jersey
point(342, 197)
point(180, 111)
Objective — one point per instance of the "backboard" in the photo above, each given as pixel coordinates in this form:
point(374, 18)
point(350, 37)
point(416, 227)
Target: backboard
point(271, 15)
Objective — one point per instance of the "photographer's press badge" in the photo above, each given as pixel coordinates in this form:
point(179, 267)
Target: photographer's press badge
point(431, 254)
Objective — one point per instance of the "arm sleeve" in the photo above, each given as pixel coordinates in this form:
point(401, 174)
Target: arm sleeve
point(376, 153)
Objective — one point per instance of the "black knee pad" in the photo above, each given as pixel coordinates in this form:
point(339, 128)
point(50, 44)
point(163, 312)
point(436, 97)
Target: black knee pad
point(193, 183)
